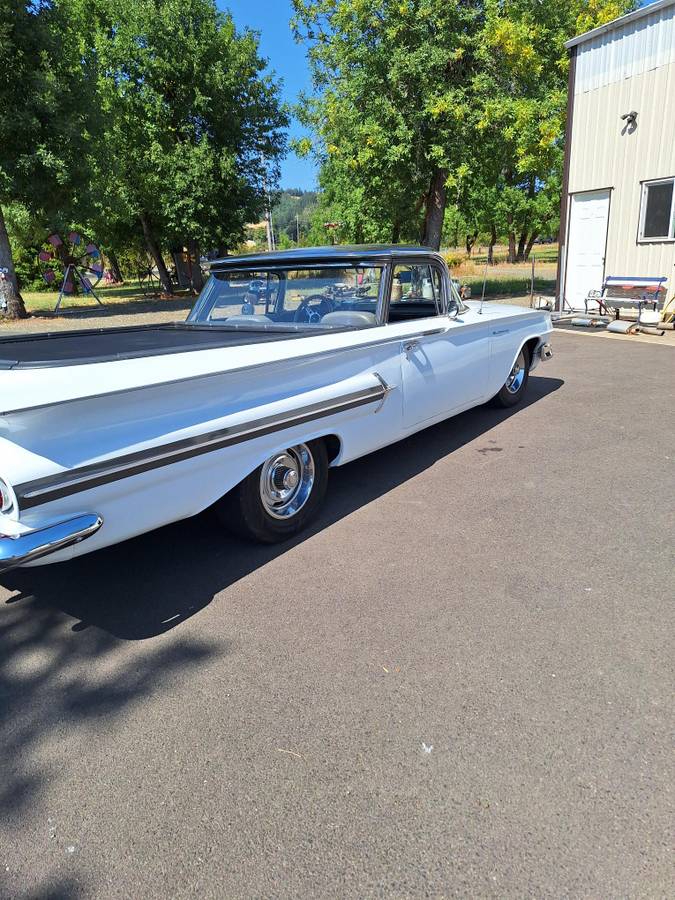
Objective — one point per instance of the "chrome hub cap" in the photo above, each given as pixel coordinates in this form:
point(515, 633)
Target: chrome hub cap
point(286, 481)
point(517, 375)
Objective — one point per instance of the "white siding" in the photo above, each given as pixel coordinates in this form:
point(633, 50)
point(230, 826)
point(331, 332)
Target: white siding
point(605, 154)
point(626, 51)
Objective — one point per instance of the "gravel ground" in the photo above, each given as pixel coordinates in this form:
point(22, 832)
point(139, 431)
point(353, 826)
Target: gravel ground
point(134, 312)
point(459, 684)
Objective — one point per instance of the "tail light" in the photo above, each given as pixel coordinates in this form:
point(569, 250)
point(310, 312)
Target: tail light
point(6, 498)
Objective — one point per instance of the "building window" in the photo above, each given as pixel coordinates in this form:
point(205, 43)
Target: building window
point(658, 210)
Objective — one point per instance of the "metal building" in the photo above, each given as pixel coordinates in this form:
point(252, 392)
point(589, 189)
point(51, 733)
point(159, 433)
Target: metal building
point(618, 203)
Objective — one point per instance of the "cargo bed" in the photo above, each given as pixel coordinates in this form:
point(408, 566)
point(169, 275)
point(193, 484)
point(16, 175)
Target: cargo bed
point(68, 348)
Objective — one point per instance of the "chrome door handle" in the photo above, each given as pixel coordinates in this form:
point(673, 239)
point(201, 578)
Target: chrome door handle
point(409, 346)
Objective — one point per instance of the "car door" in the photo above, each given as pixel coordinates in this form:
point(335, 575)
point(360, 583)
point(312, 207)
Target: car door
point(444, 357)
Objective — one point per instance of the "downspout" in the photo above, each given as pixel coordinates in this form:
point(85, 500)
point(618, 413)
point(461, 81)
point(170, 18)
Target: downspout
point(561, 274)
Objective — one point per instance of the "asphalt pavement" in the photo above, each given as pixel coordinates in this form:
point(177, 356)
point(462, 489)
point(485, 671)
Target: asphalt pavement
point(459, 684)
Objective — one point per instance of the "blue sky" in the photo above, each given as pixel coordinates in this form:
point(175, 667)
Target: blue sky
point(271, 18)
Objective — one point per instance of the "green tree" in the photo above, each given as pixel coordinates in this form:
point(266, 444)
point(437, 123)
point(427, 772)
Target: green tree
point(518, 116)
point(517, 122)
point(292, 211)
point(43, 113)
point(424, 102)
point(192, 126)
point(393, 78)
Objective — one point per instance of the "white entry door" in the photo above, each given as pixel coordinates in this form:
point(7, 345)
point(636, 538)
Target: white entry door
point(586, 245)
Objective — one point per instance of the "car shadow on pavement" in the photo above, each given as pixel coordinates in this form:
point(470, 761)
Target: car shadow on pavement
point(150, 584)
point(55, 687)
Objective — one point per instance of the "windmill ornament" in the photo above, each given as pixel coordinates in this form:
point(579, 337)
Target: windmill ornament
point(74, 264)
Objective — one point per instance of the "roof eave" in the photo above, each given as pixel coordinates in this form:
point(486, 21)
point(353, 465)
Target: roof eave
point(617, 23)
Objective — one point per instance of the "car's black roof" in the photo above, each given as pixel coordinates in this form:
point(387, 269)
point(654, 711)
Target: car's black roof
point(352, 254)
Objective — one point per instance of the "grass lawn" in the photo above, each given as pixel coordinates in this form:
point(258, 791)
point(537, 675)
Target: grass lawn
point(45, 301)
point(541, 253)
point(507, 286)
point(510, 279)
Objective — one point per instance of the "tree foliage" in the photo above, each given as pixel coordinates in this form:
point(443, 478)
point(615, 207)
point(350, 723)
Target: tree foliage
point(136, 120)
point(423, 103)
point(191, 127)
point(292, 213)
point(43, 119)
point(393, 81)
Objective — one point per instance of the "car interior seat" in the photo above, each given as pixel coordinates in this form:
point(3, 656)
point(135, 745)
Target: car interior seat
point(247, 319)
point(353, 318)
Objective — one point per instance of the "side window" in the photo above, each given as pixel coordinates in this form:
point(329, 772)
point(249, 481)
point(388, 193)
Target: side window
point(658, 210)
point(416, 293)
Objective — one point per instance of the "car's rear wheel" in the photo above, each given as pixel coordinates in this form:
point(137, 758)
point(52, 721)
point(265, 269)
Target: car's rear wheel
point(280, 497)
point(516, 384)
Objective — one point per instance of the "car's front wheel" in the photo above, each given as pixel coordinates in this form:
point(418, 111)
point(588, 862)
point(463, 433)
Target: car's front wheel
point(516, 384)
point(279, 498)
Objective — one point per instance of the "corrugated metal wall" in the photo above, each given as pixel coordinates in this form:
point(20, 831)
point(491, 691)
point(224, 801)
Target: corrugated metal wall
point(629, 50)
point(630, 68)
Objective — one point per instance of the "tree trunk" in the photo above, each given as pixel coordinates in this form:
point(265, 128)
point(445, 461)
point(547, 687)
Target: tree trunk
point(9, 286)
point(396, 232)
point(512, 240)
point(491, 247)
point(196, 280)
point(522, 241)
point(470, 241)
point(434, 211)
point(530, 245)
point(115, 267)
point(154, 251)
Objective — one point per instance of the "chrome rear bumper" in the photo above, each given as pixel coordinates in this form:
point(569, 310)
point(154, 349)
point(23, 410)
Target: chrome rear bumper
point(19, 549)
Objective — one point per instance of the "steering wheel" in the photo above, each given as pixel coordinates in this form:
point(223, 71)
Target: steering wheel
point(305, 313)
point(313, 314)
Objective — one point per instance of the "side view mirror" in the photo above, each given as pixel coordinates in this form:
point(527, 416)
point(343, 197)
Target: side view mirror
point(453, 308)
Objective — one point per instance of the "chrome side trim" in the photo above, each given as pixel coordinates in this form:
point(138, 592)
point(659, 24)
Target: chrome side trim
point(284, 361)
point(387, 389)
point(17, 550)
point(83, 478)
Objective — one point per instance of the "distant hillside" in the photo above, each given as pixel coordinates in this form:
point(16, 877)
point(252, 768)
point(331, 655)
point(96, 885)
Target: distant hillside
point(290, 203)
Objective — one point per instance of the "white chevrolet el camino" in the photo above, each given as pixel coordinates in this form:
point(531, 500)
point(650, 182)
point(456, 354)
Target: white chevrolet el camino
point(289, 363)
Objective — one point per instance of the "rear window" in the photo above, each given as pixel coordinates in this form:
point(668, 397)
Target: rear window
point(293, 297)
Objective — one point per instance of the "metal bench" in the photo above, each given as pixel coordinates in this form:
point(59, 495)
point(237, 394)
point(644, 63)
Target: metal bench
point(619, 291)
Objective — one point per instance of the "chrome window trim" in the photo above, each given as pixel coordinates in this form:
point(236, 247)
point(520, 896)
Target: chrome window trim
point(275, 268)
point(407, 260)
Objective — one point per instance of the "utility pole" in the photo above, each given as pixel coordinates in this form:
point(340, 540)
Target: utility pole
point(269, 226)
point(297, 229)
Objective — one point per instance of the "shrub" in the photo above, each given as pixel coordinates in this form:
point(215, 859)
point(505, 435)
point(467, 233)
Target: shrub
point(455, 260)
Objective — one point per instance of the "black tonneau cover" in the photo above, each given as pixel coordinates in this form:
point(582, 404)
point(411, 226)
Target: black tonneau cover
point(69, 348)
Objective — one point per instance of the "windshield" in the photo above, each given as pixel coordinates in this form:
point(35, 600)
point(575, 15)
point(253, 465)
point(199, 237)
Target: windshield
point(298, 299)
